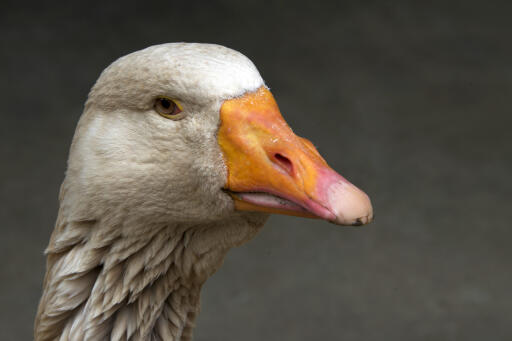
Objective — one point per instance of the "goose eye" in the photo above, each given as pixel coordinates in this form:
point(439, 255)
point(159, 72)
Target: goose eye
point(168, 108)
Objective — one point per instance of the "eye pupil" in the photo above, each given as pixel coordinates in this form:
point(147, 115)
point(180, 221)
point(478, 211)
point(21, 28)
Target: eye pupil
point(166, 103)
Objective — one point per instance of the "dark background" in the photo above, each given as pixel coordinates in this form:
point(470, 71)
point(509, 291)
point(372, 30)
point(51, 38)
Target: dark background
point(411, 101)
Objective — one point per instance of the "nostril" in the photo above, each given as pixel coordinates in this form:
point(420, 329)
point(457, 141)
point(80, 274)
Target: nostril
point(283, 162)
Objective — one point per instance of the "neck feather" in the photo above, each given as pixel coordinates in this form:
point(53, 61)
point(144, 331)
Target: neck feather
point(119, 283)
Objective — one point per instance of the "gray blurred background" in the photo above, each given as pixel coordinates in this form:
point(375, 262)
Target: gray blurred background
point(409, 100)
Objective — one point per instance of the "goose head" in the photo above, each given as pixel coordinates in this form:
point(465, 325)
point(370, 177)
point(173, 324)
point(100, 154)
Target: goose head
point(189, 132)
point(180, 154)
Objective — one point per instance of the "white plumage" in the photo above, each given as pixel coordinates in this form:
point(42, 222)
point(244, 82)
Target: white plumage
point(143, 217)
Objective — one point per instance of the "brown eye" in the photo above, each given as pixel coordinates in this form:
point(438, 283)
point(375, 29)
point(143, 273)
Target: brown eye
point(168, 108)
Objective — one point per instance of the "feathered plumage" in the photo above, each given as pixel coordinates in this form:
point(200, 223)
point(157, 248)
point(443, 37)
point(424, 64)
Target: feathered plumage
point(146, 214)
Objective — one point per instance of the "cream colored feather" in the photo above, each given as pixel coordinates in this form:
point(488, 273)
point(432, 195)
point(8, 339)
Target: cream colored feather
point(142, 223)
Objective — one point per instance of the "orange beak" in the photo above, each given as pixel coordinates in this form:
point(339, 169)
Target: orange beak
point(270, 169)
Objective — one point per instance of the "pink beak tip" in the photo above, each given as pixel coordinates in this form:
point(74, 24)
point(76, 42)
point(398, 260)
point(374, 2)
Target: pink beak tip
point(350, 205)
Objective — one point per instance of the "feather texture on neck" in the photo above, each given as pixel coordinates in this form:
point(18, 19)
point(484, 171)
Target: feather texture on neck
point(131, 283)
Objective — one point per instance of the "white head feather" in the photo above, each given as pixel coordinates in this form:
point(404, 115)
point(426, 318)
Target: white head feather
point(126, 152)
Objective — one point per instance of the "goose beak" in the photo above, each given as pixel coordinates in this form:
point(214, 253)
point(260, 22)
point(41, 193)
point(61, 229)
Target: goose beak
point(270, 169)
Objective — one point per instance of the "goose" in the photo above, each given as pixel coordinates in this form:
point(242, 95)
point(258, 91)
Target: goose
point(180, 154)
